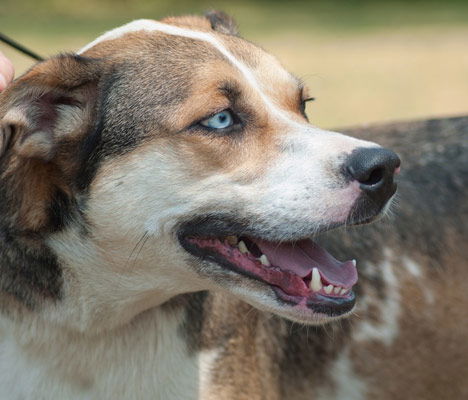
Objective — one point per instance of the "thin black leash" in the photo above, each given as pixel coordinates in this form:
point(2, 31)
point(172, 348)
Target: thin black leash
point(19, 47)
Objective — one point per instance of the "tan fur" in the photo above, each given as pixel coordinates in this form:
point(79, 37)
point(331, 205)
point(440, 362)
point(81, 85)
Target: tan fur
point(245, 368)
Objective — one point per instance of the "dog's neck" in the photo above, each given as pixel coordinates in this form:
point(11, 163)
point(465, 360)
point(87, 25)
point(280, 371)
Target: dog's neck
point(89, 307)
point(169, 352)
point(149, 356)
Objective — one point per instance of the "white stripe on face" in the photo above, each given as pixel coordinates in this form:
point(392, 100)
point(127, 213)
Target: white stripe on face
point(301, 140)
point(151, 26)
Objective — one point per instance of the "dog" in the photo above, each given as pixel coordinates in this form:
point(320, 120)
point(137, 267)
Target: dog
point(159, 192)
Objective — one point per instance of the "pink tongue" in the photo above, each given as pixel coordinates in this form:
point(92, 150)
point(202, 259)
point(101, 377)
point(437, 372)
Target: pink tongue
point(301, 257)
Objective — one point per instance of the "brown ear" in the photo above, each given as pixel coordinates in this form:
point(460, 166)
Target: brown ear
point(46, 105)
point(222, 22)
point(43, 117)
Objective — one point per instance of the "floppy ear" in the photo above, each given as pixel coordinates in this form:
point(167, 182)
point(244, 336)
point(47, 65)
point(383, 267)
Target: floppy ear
point(221, 22)
point(44, 116)
point(46, 105)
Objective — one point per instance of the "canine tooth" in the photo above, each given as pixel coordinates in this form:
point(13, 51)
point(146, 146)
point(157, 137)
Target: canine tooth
point(243, 248)
point(328, 289)
point(232, 240)
point(315, 283)
point(337, 290)
point(344, 291)
point(354, 262)
point(264, 260)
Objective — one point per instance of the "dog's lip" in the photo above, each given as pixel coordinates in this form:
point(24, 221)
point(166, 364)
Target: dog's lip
point(330, 306)
point(302, 296)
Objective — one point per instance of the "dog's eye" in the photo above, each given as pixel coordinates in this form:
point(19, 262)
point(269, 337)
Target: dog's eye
point(303, 105)
point(221, 120)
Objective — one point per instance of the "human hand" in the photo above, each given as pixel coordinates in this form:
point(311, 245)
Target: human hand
point(7, 71)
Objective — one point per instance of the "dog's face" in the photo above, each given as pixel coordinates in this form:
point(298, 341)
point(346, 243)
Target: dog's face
point(184, 161)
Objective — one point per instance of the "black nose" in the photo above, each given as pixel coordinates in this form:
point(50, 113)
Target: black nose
point(374, 169)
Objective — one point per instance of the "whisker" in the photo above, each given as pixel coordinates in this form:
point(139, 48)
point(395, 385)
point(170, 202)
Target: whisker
point(141, 239)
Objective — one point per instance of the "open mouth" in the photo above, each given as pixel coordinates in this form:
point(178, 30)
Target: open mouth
point(301, 273)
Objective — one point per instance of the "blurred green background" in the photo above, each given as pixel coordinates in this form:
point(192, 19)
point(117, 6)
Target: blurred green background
point(364, 60)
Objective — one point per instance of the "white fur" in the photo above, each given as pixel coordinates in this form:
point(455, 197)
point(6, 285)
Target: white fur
point(417, 278)
point(387, 329)
point(412, 267)
point(151, 26)
point(146, 359)
point(347, 385)
point(300, 178)
point(207, 361)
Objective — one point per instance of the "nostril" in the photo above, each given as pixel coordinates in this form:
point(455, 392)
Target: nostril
point(372, 167)
point(374, 177)
point(367, 177)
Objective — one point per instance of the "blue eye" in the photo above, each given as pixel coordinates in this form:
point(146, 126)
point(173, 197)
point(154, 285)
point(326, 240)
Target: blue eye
point(221, 120)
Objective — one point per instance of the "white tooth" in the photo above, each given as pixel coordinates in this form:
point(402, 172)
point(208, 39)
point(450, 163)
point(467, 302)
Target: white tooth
point(264, 260)
point(344, 291)
point(328, 289)
point(315, 283)
point(243, 248)
point(337, 290)
point(232, 240)
point(354, 262)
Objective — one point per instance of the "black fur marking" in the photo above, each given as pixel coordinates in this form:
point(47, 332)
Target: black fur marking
point(222, 22)
point(29, 273)
point(310, 350)
point(196, 308)
point(135, 99)
point(61, 209)
point(89, 160)
point(89, 152)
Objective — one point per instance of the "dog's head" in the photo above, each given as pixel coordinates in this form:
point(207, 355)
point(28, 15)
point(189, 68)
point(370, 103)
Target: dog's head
point(171, 157)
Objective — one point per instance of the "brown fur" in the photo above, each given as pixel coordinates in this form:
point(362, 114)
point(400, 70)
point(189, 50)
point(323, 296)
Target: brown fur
point(427, 358)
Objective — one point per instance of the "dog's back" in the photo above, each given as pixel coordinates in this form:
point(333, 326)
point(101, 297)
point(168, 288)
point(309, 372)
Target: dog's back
point(407, 337)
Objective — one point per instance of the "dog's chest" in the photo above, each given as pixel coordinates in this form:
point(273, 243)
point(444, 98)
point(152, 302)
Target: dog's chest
point(142, 364)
